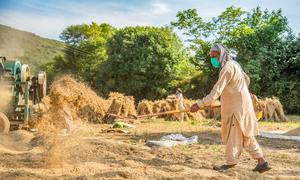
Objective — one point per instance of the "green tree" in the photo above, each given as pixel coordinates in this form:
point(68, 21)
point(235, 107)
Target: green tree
point(85, 50)
point(257, 38)
point(286, 74)
point(144, 62)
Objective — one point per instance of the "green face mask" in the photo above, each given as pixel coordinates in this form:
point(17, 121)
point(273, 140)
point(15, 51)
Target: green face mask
point(215, 63)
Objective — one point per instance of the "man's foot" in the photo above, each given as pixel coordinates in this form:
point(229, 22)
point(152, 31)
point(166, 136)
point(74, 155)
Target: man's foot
point(262, 167)
point(223, 167)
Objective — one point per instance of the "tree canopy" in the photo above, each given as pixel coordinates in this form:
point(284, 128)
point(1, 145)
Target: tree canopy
point(261, 41)
point(85, 50)
point(143, 61)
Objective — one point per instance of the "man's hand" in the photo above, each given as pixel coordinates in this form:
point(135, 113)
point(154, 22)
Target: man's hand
point(195, 107)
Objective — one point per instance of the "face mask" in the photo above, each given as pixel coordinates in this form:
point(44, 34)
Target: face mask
point(215, 63)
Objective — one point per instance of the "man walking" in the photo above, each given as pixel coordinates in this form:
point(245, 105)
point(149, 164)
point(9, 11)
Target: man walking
point(239, 123)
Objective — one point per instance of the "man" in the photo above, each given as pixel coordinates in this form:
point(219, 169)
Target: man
point(239, 123)
point(181, 107)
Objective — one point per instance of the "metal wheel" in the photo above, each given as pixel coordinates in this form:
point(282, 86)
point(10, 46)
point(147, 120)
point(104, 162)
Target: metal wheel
point(25, 73)
point(4, 123)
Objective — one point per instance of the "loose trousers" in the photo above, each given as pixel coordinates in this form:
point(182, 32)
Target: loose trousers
point(237, 142)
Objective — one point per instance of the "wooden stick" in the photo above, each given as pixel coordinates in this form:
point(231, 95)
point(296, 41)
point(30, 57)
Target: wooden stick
point(161, 113)
point(173, 112)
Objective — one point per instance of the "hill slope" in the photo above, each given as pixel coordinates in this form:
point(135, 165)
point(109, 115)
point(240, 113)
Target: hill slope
point(28, 47)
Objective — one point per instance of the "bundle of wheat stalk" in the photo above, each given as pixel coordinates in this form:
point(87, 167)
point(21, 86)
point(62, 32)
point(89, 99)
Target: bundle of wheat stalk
point(196, 115)
point(121, 105)
point(214, 113)
point(272, 109)
point(145, 107)
point(168, 104)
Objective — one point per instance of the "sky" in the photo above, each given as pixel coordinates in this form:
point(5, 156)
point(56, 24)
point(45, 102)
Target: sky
point(48, 18)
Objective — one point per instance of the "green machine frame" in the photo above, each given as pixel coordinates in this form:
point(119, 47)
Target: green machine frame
point(24, 92)
point(19, 109)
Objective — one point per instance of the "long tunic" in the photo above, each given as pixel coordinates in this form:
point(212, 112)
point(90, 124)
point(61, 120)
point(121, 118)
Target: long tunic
point(179, 97)
point(232, 86)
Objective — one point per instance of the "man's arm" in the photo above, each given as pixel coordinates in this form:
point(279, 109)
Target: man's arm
point(224, 78)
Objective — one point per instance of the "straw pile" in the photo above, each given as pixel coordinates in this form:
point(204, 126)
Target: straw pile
point(272, 109)
point(70, 100)
point(169, 104)
point(120, 105)
point(214, 113)
point(145, 107)
point(67, 91)
point(196, 115)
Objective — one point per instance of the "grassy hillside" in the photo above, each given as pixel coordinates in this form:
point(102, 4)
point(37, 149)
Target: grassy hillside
point(28, 47)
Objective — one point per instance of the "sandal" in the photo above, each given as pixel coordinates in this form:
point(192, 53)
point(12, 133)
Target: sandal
point(262, 167)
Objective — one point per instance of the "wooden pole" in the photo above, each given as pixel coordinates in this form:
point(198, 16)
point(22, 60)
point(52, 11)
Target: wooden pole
point(174, 112)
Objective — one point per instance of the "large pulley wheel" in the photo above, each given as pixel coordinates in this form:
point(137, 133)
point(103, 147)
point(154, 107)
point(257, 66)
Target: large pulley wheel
point(4, 123)
point(42, 84)
point(25, 73)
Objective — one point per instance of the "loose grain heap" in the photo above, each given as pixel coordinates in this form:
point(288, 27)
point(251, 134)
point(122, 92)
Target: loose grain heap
point(69, 101)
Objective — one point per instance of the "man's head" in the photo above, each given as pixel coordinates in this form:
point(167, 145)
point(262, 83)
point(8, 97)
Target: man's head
point(219, 55)
point(178, 90)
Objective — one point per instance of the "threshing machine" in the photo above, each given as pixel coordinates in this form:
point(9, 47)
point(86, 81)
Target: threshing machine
point(19, 93)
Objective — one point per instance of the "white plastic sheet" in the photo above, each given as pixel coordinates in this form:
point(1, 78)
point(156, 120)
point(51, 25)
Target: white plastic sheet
point(173, 140)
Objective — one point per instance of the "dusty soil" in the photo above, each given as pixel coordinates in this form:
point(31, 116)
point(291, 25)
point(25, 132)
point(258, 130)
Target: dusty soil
point(91, 152)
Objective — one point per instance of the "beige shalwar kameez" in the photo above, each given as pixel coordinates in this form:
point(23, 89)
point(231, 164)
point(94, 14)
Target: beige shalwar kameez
point(239, 123)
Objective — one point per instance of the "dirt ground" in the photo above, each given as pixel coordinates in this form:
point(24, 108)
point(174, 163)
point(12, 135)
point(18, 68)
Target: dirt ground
point(92, 152)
